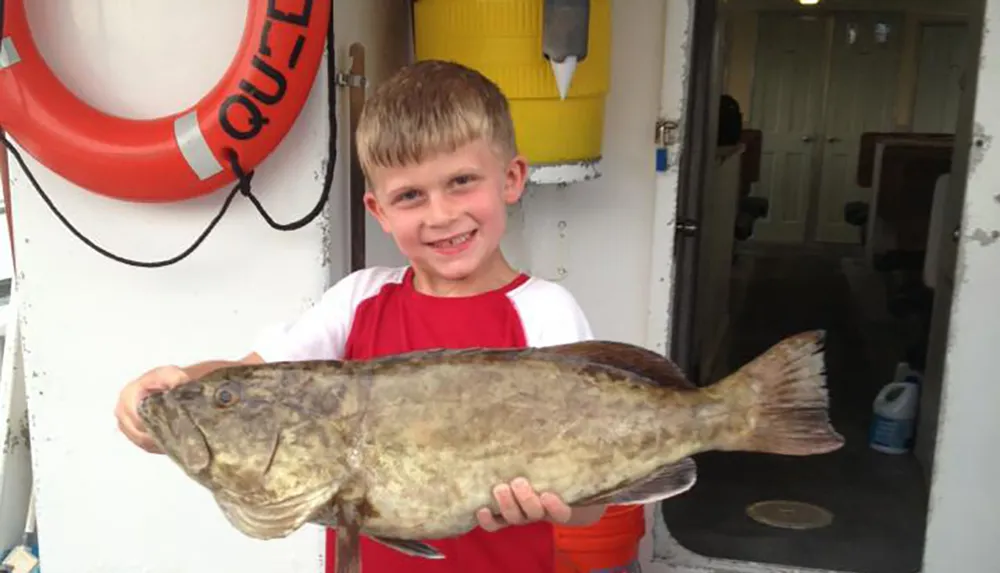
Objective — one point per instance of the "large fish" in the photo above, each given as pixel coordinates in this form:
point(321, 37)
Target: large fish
point(407, 448)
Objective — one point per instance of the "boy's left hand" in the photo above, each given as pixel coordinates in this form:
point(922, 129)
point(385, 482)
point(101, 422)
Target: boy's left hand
point(520, 504)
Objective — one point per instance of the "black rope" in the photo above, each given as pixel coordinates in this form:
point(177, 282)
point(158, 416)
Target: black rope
point(242, 186)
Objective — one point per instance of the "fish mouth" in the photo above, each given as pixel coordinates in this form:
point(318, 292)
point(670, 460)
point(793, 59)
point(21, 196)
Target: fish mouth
point(173, 429)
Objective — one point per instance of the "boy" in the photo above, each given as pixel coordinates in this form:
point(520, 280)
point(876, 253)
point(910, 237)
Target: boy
point(436, 144)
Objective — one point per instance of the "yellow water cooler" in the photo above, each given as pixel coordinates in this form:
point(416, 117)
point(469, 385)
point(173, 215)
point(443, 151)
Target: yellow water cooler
point(506, 41)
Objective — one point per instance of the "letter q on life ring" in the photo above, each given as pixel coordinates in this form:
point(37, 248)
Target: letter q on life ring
point(180, 156)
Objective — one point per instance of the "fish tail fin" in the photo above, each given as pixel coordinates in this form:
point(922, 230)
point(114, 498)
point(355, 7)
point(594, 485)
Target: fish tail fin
point(788, 401)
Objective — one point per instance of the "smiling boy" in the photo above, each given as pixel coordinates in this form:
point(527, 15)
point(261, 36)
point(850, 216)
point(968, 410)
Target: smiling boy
point(436, 143)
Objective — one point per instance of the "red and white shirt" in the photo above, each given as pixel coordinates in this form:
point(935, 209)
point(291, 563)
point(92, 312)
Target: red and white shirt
point(376, 312)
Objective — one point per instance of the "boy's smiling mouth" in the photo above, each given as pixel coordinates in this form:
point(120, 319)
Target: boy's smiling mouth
point(455, 241)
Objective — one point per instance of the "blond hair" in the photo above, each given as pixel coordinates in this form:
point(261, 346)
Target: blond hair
point(432, 107)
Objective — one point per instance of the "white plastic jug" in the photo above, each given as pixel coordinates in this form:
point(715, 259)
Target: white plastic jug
point(894, 417)
point(904, 371)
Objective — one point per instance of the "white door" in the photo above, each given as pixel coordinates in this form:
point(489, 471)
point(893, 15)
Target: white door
point(786, 106)
point(861, 94)
point(939, 77)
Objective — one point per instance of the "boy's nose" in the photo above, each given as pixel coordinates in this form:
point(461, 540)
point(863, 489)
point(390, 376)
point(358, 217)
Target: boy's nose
point(441, 210)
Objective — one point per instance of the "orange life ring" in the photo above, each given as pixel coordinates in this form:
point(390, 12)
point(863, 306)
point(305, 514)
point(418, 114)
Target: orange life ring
point(180, 156)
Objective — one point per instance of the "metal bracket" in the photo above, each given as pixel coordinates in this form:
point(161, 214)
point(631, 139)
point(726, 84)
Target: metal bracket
point(665, 137)
point(349, 80)
point(666, 132)
point(354, 77)
point(687, 227)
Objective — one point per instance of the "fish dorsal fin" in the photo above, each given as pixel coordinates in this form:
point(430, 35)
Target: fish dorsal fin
point(274, 520)
point(429, 354)
point(662, 483)
point(628, 357)
point(636, 360)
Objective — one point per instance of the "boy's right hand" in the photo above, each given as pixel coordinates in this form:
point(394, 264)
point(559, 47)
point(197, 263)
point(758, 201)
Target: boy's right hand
point(162, 378)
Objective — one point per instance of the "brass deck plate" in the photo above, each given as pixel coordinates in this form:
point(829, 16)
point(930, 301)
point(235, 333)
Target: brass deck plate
point(789, 514)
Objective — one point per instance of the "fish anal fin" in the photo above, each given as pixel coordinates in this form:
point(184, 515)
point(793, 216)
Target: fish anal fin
point(409, 547)
point(635, 359)
point(663, 483)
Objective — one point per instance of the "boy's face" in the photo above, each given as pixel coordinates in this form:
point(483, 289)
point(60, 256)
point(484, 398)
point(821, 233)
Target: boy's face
point(448, 213)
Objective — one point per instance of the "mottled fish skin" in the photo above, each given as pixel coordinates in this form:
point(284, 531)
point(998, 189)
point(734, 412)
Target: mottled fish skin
point(407, 448)
point(568, 426)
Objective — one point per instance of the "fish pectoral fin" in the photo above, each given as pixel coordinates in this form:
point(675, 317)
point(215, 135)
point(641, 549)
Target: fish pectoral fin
point(663, 483)
point(273, 520)
point(409, 547)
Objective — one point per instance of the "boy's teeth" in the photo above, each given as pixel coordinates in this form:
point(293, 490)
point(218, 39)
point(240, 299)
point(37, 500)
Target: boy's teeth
point(454, 240)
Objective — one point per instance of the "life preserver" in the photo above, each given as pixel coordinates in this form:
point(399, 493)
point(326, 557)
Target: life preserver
point(183, 155)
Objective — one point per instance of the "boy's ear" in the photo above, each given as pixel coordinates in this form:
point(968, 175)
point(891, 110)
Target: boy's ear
point(373, 207)
point(516, 177)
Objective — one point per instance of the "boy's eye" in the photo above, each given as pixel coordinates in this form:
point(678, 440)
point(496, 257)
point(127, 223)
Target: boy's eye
point(463, 180)
point(409, 195)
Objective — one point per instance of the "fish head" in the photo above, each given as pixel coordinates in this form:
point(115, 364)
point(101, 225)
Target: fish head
point(222, 430)
point(259, 438)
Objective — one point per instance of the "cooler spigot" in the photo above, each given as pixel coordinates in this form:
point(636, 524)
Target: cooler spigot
point(565, 32)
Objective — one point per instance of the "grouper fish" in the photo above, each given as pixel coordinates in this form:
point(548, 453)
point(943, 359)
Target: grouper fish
point(407, 448)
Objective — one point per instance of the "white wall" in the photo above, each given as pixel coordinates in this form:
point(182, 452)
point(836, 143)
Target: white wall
point(6, 261)
point(964, 524)
point(91, 324)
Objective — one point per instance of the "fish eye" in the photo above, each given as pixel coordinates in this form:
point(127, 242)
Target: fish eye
point(226, 396)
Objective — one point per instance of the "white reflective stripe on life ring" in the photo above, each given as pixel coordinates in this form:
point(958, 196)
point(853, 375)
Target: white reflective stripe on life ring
point(8, 53)
point(194, 147)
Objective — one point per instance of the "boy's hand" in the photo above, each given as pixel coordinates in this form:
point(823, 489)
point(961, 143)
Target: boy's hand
point(520, 504)
point(162, 378)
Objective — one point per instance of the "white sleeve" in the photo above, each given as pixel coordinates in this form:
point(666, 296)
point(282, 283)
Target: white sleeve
point(550, 314)
point(320, 333)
